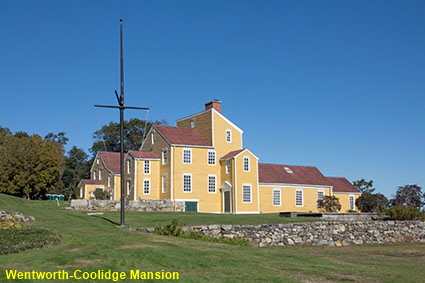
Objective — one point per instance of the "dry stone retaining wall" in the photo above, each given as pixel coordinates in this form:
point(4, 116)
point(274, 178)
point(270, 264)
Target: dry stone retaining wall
point(320, 233)
point(131, 205)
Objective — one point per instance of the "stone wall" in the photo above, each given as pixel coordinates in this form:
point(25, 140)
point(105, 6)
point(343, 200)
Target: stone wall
point(164, 205)
point(320, 233)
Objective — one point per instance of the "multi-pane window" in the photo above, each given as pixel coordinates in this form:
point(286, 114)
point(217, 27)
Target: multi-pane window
point(211, 183)
point(164, 183)
point(109, 181)
point(164, 156)
point(187, 183)
point(187, 156)
point(146, 186)
point(276, 197)
point(352, 203)
point(246, 163)
point(229, 135)
point(100, 174)
point(228, 164)
point(320, 195)
point(211, 157)
point(299, 198)
point(147, 167)
point(128, 187)
point(128, 166)
point(246, 193)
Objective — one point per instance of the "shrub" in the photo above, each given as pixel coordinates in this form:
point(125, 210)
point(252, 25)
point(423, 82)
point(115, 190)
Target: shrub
point(100, 194)
point(16, 240)
point(329, 204)
point(404, 213)
point(11, 223)
point(172, 229)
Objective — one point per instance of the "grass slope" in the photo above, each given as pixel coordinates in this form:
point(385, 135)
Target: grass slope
point(95, 243)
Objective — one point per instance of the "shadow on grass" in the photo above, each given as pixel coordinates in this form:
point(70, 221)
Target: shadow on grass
point(106, 219)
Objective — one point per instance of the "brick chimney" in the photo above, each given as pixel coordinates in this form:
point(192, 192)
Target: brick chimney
point(216, 104)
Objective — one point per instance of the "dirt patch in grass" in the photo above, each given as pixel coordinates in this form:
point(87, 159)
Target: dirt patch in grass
point(137, 246)
point(10, 266)
point(88, 261)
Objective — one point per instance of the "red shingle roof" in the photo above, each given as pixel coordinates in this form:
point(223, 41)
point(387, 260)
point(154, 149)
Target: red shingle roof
point(275, 173)
point(111, 161)
point(342, 185)
point(232, 154)
point(143, 154)
point(91, 182)
point(182, 136)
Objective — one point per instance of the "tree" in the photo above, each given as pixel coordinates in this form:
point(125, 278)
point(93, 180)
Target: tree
point(329, 204)
point(364, 186)
point(77, 167)
point(108, 137)
point(59, 137)
point(28, 165)
point(369, 202)
point(409, 195)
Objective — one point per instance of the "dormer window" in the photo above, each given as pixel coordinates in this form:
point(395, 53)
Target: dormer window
point(288, 170)
point(192, 123)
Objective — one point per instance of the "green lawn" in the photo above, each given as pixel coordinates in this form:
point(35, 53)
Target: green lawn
point(96, 243)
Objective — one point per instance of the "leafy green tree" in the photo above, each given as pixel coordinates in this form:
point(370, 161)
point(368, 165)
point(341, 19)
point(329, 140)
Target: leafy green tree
point(409, 195)
point(29, 165)
point(77, 167)
point(364, 186)
point(329, 204)
point(59, 137)
point(108, 137)
point(369, 202)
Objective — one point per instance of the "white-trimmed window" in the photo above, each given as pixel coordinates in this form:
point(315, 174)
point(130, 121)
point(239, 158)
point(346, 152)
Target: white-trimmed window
point(352, 202)
point(97, 161)
point(128, 187)
point(109, 181)
point(187, 155)
point(228, 135)
point(187, 183)
point(246, 163)
point(246, 193)
point(94, 174)
point(192, 123)
point(299, 197)
point(100, 174)
point(164, 183)
point(228, 166)
point(153, 138)
point(164, 156)
point(277, 197)
point(146, 186)
point(211, 157)
point(81, 192)
point(320, 195)
point(212, 187)
point(147, 167)
point(128, 166)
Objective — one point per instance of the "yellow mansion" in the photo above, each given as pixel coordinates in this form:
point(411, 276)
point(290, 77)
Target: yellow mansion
point(201, 162)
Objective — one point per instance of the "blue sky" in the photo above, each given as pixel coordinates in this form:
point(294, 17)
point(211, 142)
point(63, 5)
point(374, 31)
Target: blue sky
point(335, 84)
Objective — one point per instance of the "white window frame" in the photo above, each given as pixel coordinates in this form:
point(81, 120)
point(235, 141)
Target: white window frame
point(274, 198)
point(153, 138)
point(296, 197)
point(164, 156)
point(148, 182)
point(244, 187)
point(147, 167)
point(128, 187)
point(228, 166)
point(109, 181)
point(100, 174)
point(97, 161)
point(128, 166)
point(190, 184)
point(228, 135)
point(189, 150)
point(192, 123)
point(320, 197)
point(246, 164)
point(81, 192)
point(352, 202)
point(164, 183)
point(212, 188)
point(94, 174)
point(211, 157)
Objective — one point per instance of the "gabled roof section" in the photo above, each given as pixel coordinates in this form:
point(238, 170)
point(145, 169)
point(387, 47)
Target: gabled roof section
point(91, 182)
point(235, 153)
point(143, 154)
point(342, 185)
point(302, 175)
point(182, 136)
point(111, 160)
